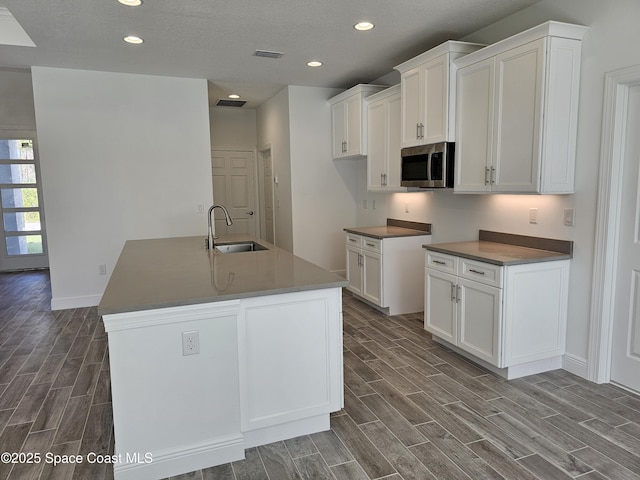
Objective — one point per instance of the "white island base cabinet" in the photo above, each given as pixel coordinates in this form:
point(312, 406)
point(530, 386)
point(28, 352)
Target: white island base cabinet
point(268, 368)
point(510, 319)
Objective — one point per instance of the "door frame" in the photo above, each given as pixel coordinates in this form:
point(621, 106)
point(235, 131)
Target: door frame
point(260, 190)
point(608, 220)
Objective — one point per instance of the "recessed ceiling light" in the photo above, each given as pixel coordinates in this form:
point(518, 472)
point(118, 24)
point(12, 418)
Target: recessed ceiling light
point(131, 3)
point(133, 39)
point(234, 96)
point(314, 63)
point(363, 26)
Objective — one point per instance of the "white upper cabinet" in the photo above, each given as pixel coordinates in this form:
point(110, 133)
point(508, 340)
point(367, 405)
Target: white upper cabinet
point(383, 158)
point(428, 94)
point(517, 109)
point(349, 121)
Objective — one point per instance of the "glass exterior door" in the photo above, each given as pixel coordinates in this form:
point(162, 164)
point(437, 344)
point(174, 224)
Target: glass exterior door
point(23, 239)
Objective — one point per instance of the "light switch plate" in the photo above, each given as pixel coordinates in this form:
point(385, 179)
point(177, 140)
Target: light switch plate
point(533, 215)
point(569, 217)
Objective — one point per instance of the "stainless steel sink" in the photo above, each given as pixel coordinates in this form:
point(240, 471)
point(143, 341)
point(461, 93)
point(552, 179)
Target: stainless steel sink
point(240, 247)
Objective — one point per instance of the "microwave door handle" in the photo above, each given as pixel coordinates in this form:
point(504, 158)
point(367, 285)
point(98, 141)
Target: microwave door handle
point(429, 167)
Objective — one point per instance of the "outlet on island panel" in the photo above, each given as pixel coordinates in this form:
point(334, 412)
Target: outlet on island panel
point(190, 342)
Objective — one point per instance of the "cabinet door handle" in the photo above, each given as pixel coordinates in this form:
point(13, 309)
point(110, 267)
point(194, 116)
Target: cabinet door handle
point(439, 262)
point(493, 175)
point(422, 130)
point(359, 260)
point(458, 294)
point(486, 175)
point(479, 272)
point(385, 179)
point(453, 292)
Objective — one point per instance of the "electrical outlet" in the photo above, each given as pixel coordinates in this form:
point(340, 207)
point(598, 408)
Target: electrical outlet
point(200, 208)
point(533, 215)
point(373, 202)
point(190, 342)
point(364, 204)
point(569, 217)
point(102, 269)
point(406, 208)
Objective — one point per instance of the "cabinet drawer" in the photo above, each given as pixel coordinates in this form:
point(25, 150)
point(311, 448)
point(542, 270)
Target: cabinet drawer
point(354, 240)
point(481, 272)
point(372, 244)
point(442, 262)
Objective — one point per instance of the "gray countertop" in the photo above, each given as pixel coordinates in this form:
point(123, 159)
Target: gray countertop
point(496, 253)
point(385, 231)
point(168, 272)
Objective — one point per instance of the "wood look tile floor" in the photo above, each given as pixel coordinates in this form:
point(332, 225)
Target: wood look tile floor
point(413, 410)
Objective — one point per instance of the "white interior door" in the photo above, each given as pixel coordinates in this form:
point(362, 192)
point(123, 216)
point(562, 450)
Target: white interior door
point(22, 236)
point(625, 359)
point(233, 176)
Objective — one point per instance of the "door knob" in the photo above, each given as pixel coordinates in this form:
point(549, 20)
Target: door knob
point(250, 212)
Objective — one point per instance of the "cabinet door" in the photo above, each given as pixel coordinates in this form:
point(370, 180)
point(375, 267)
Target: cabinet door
point(439, 305)
point(394, 167)
point(354, 270)
point(353, 109)
point(474, 130)
point(436, 73)
point(411, 92)
point(372, 277)
point(479, 313)
point(518, 119)
point(377, 140)
point(338, 126)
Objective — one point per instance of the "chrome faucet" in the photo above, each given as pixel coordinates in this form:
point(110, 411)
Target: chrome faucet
point(211, 234)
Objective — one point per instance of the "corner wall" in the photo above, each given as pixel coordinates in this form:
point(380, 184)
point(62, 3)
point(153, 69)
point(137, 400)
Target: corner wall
point(323, 190)
point(122, 157)
point(273, 130)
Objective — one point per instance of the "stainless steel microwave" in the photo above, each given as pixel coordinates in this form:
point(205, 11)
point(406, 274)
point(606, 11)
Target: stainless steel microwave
point(428, 166)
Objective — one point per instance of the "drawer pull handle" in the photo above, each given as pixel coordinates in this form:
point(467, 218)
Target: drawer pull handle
point(439, 262)
point(479, 272)
point(370, 245)
point(352, 240)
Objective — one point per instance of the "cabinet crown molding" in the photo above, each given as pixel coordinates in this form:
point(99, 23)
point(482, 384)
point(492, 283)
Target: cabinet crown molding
point(454, 47)
point(364, 88)
point(547, 29)
point(387, 92)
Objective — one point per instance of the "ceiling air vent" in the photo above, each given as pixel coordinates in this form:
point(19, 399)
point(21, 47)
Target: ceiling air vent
point(268, 54)
point(223, 102)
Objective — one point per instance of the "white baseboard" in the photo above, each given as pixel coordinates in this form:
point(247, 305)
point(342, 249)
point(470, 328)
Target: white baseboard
point(576, 365)
point(75, 302)
point(181, 460)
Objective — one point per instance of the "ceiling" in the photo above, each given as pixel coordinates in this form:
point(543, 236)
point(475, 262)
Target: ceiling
point(216, 39)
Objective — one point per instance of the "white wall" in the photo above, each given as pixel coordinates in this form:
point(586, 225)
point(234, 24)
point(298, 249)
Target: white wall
point(611, 43)
point(233, 128)
point(16, 100)
point(273, 130)
point(323, 191)
point(122, 157)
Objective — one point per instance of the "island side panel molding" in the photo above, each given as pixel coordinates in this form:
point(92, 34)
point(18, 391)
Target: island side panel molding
point(182, 410)
point(290, 360)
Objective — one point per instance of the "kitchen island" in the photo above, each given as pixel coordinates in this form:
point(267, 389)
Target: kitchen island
point(212, 353)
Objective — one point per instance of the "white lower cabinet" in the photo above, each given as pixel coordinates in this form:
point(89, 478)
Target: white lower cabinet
point(387, 272)
point(510, 317)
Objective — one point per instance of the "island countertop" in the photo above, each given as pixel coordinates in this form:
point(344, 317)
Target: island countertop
point(169, 272)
